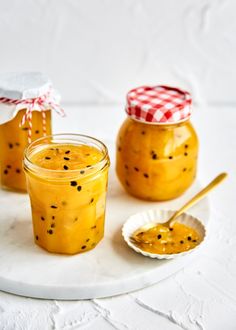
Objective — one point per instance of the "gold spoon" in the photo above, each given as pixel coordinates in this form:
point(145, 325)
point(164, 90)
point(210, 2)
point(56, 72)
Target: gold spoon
point(185, 207)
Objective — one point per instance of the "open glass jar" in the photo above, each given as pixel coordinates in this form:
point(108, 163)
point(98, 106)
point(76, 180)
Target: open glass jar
point(26, 101)
point(67, 183)
point(157, 146)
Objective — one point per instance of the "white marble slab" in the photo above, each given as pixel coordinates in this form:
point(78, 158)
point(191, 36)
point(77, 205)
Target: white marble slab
point(112, 268)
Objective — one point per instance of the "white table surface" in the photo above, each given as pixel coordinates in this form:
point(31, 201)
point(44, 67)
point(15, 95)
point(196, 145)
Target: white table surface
point(202, 295)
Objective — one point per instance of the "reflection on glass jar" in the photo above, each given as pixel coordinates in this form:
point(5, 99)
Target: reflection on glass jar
point(13, 141)
point(67, 183)
point(156, 161)
point(26, 102)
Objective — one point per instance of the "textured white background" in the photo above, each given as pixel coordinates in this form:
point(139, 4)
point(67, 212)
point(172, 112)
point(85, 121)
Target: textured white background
point(94, 51)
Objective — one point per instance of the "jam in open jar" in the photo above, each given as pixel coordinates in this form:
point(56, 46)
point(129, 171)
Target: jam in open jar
point(67, 183)
point(157, 146)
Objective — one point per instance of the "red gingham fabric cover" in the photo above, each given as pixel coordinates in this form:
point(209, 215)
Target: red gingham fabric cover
point(158, 104)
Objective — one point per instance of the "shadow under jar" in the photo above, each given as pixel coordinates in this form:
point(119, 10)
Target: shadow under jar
point(67, 183)
point(157, 146)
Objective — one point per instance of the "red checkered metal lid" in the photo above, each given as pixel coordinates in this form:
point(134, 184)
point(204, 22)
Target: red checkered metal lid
point(159, 104)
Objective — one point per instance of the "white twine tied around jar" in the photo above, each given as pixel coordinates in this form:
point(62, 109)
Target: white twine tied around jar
point(43, 103)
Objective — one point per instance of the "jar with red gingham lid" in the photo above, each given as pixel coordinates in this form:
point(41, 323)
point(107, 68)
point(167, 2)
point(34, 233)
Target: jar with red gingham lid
point(157, 146)
point(26, 101)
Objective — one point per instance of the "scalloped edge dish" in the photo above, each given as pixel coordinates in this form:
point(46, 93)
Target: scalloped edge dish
point(137, 220)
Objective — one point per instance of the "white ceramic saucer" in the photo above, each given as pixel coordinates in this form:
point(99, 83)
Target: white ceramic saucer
point(158, 216)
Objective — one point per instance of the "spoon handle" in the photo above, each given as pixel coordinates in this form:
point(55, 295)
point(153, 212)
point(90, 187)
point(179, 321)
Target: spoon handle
point(198, 197)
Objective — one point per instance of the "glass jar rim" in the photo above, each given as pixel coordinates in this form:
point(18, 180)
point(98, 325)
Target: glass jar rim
point(160, 123)
point(65, 138)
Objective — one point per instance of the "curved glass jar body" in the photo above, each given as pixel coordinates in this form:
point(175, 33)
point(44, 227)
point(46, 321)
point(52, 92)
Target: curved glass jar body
point(13, 141)
point(68, 207)
point(156, 162)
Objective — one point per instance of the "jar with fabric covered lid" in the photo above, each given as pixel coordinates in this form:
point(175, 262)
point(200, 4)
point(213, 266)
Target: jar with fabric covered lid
point(26, 101)
point(157, 146)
